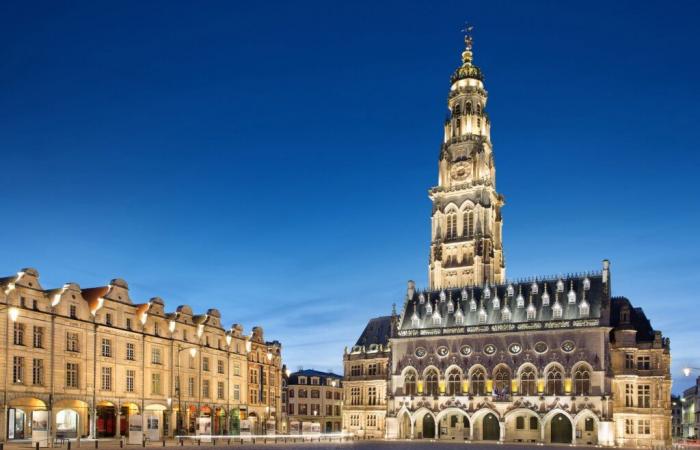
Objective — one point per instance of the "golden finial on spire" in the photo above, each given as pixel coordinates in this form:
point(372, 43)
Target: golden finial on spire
point(468, 42)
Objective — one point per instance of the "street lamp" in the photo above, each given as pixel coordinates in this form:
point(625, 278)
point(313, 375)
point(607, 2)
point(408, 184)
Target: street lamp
point(688, 370)
point(193, 353)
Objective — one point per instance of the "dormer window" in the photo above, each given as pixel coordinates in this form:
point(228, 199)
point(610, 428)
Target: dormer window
point(443, 297)
point(571, 295)
point(482, 316)
point(510, 290)
point(108, 319)
point(487, 293)
point(496, 301)
point(586, 284)
point(464, 295)
point(421, 299)
point(531, 312)
point(156, 328)
point(534, 288)
point(450, 307)
point(437, 320)
point(459, 317)
point(429, 308)
point(545, 297)
point(302, 380)
point(520, 301)
point(505, 314)
point(556, 311)
point(73, 311)
point(584, 309)
point(472, 305)
point(415, 320)
point(560, 285)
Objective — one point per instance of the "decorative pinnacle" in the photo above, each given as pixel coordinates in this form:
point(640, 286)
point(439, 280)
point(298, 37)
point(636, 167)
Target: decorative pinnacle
point(468, 43)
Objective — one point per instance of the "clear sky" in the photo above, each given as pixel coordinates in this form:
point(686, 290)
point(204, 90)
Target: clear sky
point(272, 159)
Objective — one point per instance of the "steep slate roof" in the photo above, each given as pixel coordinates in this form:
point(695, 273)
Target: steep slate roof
point(377, 331)
point(638, 320)
point(472, 301)
point(294, 377)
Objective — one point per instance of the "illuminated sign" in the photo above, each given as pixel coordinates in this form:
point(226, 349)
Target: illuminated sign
point(500, 328)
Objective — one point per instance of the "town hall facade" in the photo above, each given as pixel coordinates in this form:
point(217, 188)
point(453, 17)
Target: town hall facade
point(477, 357)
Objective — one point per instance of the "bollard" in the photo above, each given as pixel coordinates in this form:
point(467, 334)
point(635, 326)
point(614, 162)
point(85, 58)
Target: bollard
point(182, 442)
point(199, 442)
point(96, 443)
point(69, 444)
point(163, 442)
point(37, 446)
point(121, 443)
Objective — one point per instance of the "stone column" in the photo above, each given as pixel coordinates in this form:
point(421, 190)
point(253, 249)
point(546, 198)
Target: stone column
point(502, 429)
point(118, 431)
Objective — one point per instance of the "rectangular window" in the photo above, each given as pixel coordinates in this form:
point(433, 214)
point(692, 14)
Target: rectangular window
point(372, 369)
point(534, 423)
point(205, 364)
point(303, 409)
point(19, 333)
point(156, 388)
point(372, 396)
point(356, 371)
point(17, 369)
point(520, 423)
point(629, 395)
point(291, 409)
point(220, 390)
point(38, 337)
point(73, 311)
point(629, 426)
point(329, 395)
point(130, 378)
point(38, 372)
point(355, 398)
point(107, 348)
point(644, 362)
point(128, 323)
point(237, 392)
point(329, 410)
point(643, 426)
point(191, 387)
point(72, 342)
point(156, 356)
point(315, 393)
point(72, 370)
point(130, 351)
point(156, 328)
point(371, 420)
point(629, 361)
point(643, 396)
point(336, 410)
point(106, 378)
point(108, 319)
point(237, 369)
point(220, 366)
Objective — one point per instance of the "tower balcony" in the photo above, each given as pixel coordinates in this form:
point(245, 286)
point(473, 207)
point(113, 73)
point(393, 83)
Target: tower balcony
point(467, 90)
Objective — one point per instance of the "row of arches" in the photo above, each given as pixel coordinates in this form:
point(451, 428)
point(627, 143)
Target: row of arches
point(518, 425)
point(527, 380)
point(468, 108)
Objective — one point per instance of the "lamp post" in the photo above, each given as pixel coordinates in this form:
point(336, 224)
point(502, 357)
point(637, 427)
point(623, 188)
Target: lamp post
point(193, 353)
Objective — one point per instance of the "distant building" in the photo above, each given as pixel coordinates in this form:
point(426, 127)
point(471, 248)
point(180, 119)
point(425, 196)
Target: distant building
point(314, 397)
point(690, 403)
point(366, 368)
point(676, 417)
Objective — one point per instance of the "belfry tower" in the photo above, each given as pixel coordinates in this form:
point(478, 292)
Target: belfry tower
point(466, 247)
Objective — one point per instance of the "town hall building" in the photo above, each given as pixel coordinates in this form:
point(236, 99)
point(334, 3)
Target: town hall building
point(478, 357)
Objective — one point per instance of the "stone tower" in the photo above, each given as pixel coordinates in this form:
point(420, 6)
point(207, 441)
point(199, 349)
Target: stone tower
point(466, 246)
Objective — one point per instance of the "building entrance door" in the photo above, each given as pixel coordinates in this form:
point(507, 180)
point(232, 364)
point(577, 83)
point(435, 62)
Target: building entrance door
point(491, 430)
point(428, 427)
point(560, 430)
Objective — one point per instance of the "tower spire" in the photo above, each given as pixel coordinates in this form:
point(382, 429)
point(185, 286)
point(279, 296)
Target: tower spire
point(467, 54)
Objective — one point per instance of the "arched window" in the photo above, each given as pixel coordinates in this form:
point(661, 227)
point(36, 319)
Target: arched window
point(409, 383)
point(456, 127)
point(582, 381)
point(554, 381)
point(451, 226)
point(501, 385)
point(478, 108)
point(478, 382)
point(454, 382)
point(528, 382)
point(431, 383)
point(457, 110)
point(468, 224)
point(469, 107)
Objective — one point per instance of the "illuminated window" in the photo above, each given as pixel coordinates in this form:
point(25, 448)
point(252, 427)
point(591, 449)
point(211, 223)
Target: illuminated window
point(451, 226)
point(554, 382)
point(528, 382)
point(468, 224)
point(409, 383)
point(478, 382)
point(454, 382)
point(582, 382)
point(431, 383)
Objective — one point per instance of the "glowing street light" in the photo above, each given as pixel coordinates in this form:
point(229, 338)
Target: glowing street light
point(193, 352)
point(687, 370)
point(13, 313)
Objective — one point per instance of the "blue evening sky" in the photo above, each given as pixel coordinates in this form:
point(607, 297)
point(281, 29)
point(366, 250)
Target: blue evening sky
point(272, 159)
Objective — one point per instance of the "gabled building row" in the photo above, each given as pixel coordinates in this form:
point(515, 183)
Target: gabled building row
point(93, 357)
